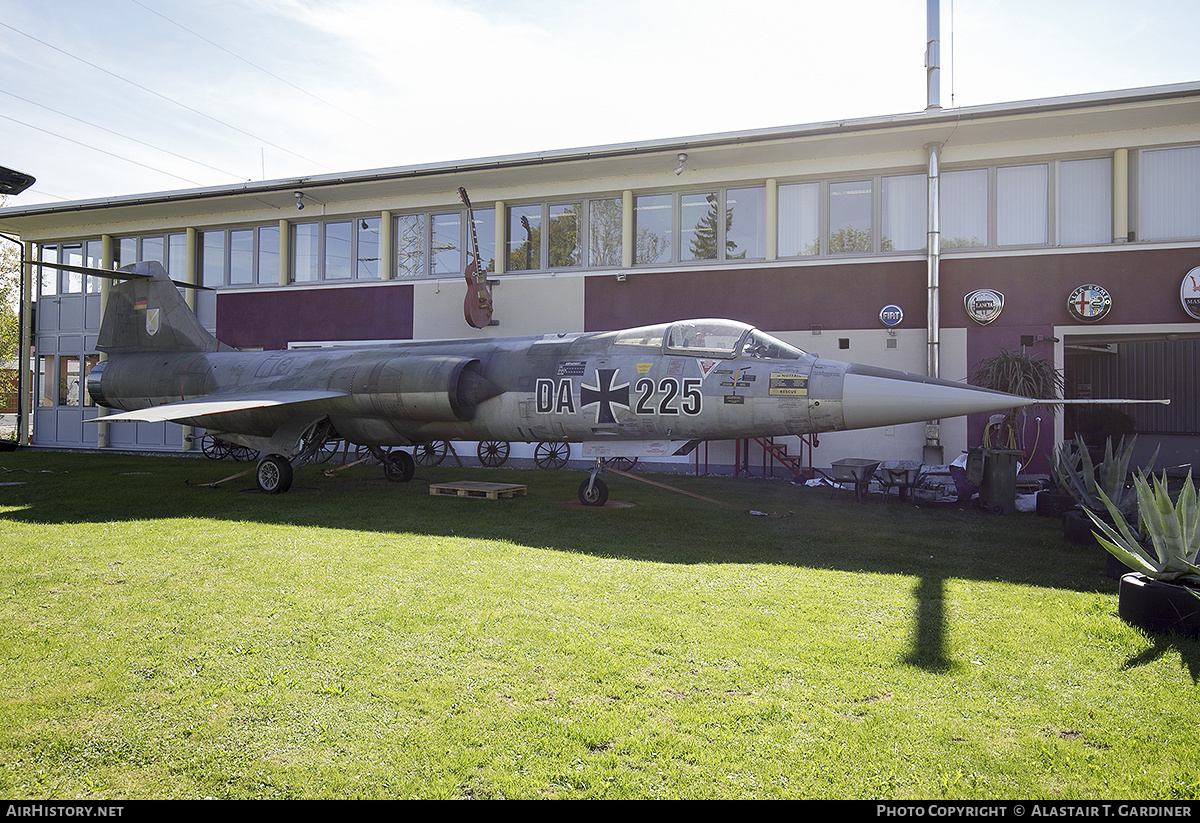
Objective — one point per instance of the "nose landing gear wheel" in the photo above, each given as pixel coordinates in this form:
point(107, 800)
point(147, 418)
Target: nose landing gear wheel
point(593, 493)
point(274, 474)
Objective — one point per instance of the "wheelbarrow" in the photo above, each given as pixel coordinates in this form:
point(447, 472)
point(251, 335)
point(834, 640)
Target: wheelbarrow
point(856, 470)
point(902, 475)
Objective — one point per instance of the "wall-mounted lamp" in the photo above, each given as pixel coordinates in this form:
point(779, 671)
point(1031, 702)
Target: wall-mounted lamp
point(300, 200)
point(682, 163)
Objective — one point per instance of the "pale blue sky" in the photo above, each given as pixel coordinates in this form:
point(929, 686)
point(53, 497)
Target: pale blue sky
point(127, 96)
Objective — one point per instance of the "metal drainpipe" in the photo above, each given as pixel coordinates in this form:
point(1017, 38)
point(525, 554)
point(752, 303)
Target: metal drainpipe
point(933, 446)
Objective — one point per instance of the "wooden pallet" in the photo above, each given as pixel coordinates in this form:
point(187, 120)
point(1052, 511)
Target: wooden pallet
point(471, 488)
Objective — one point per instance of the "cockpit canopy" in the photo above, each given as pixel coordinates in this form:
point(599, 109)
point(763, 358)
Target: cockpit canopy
point(709, 338)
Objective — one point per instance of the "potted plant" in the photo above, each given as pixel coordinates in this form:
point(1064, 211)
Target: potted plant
point(1020, 373)
point(1057, 500)
point(1163, 594)
point(1090, 484)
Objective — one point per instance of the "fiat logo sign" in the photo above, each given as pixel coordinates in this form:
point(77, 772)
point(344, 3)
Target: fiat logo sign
point(891, 315)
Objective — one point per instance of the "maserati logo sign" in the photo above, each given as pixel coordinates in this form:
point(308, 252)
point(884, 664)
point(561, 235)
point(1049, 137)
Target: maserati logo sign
point(1089, 303)
point(984, 305)
point(1189, 293)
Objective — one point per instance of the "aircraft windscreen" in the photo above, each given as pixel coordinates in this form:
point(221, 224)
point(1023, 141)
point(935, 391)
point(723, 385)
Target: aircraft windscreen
point(763, 345)
point(715, 337)
point(649, 336)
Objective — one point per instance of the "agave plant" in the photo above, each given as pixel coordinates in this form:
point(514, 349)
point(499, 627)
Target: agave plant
point(1172, 530)
point(1087, 482)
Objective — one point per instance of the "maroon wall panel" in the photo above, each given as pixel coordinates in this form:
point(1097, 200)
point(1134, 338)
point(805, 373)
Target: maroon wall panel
point(272, 319)
point(772, 299)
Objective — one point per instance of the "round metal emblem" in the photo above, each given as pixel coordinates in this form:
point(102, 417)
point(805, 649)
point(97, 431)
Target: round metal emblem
point(984, 305)
point(891, 315)
point(1089, 303)
point(1189, 292)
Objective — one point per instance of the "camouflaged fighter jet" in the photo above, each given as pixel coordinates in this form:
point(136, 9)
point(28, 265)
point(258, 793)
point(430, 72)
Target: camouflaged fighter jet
point(677, 383)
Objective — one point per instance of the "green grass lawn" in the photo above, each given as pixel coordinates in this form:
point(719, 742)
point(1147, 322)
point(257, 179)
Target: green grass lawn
point(358, 638)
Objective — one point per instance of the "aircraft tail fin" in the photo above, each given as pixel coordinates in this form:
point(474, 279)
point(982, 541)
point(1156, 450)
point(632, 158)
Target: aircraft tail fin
point(147, 313)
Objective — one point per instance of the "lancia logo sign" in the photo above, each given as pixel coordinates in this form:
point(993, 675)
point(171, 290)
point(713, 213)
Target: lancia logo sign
point(1089, 303)
point(1189, 293)
point(891, 315)
point(984, 305)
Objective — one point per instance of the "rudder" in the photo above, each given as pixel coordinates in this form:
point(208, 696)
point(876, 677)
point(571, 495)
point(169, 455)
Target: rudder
point(147, 313)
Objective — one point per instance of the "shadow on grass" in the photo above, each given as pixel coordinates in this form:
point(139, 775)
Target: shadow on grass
point(932, 544)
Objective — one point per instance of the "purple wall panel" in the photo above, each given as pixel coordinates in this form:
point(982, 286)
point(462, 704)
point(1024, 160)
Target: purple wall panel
point(272, 319)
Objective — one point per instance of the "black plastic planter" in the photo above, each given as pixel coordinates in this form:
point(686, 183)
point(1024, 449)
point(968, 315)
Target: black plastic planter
point(1159, 607)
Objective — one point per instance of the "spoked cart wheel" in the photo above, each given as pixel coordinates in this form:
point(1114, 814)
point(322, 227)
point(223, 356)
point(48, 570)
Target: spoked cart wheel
point(432, 453)
point(551, 454)
point(492, 453)
point(624, 464)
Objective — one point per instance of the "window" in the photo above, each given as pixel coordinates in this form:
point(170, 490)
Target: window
point(850, 217)
point(604, 232)
point(241, 257)
point(306, 251)
point(90, 361)
point(1022, 205)
point(564, 251)
point(268, 256)
point(746, 223)
point(964, 209)
point(177, 256)
point(47, 390)
point(800, 220)
point(699, 226)
point(653, 216)
point(446, 243)
point(70, 282)
point(1170, 194)
point(523, 244)
point(68, 380)
point(410, 245)
point(212, 259)
point(337, 242)
point(366, 248)
point(1085, 201)
point(904, 224)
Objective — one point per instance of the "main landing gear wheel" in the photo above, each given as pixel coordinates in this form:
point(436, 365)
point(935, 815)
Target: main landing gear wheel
point(551, 454)
point(593, 492)
point(274, 474)
point(492, 453)
point(398, 466)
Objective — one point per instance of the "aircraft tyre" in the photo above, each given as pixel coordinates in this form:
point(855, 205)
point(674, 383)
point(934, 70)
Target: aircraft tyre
point(596, 495)
point(274, 474)
point(399, 466)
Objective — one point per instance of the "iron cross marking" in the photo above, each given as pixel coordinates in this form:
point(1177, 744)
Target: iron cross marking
point(604, 395)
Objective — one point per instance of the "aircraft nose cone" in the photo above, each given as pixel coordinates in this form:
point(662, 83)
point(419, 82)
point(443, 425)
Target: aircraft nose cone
point(882, 397)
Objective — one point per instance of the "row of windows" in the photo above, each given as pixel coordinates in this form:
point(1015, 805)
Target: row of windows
point(1052, 203)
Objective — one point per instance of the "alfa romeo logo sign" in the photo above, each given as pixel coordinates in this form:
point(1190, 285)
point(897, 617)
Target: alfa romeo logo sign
point(1189, 293)
point(984, 305)
point(1089, 303)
